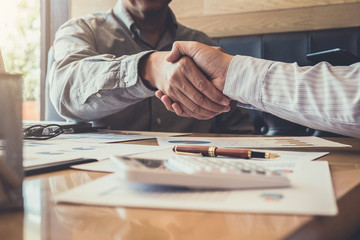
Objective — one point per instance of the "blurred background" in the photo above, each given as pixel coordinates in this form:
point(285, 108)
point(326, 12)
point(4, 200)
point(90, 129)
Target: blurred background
point(20, 46)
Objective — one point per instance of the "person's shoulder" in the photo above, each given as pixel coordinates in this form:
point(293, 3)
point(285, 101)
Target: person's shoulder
point(184, 30)
point(185, 33)
point(92, 19)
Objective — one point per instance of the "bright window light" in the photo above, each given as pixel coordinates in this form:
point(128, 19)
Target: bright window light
point(20, 46)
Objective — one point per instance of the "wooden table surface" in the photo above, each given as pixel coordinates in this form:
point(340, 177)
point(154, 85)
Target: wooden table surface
point(43, 219)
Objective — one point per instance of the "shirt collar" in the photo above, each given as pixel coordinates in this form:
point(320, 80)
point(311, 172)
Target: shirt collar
point(122, 14)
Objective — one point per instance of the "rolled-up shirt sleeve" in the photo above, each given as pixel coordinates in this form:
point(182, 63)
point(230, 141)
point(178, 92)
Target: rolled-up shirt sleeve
point(322, 97)
point(86, 85)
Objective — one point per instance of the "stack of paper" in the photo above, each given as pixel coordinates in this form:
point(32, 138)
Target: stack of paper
point(311, 193)
point(311, 190)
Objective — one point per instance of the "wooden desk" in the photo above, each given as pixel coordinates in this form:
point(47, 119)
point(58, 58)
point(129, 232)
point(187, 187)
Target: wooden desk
point(42, 219)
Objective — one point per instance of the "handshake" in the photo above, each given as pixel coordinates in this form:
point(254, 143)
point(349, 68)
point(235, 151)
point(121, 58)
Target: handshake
point(190, 79)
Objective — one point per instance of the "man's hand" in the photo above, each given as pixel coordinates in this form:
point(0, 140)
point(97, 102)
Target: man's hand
point(185, 84)
point(212, 61)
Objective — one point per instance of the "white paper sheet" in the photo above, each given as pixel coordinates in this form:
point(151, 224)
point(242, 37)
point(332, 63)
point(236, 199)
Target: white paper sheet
point(98, 145)
point(163, 154)
point(250, 142)
point(105, 137)
point(166, 153)
point(99, 166)
point(42, 152)
point(311, 194)
point(97, 138)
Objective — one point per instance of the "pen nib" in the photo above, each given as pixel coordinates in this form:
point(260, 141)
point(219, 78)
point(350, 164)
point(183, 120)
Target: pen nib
point(272, 155)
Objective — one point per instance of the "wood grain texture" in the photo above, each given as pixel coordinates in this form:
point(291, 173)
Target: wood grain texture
point(213, 7)
point(189, 8)
point(82, 7)
point(81, 222)
point(245, 17)
point(183, 8)
point(310, 18)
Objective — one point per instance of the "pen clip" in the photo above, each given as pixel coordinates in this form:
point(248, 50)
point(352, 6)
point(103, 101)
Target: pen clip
point(188, 154)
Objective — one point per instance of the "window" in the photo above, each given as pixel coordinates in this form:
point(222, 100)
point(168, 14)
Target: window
point(20, 46)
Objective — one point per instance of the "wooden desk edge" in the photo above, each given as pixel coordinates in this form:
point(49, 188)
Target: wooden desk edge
point(341, 226)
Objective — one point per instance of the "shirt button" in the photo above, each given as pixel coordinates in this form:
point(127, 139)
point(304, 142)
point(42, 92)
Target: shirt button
point(98, 95)
point(158, 120)
point(126, 79)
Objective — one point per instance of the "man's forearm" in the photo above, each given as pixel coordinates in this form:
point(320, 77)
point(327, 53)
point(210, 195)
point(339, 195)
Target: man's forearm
point(322, 97)
point(95, 87)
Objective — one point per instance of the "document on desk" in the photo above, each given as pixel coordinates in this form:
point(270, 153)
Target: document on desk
point(37, 153)
point(75, 148)
point(99, 137)
point(107, 136)
point(311, 194)
point(250, 142)
point(164, 154)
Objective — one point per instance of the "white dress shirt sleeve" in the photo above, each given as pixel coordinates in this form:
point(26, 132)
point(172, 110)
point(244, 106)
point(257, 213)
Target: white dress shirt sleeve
point(323, 97)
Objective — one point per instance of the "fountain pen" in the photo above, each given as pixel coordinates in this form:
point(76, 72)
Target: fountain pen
point(215, 151)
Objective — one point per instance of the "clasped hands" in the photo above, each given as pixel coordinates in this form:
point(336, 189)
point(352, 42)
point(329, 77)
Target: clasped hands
point(190, 79)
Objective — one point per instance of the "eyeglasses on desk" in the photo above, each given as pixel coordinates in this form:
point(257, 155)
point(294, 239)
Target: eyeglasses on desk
point(42, 132)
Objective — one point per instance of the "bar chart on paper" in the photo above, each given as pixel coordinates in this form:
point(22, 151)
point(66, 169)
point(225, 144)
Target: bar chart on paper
point(250, 142)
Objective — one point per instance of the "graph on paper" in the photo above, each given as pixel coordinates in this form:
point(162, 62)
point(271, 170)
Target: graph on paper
point(251, 142)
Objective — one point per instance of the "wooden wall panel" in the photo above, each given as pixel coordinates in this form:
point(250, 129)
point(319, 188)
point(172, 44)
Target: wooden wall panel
point(183, 8)
point(188, 8)
point(83, 7)
point(213, 7)
point(310, 18)
point(244, 17)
